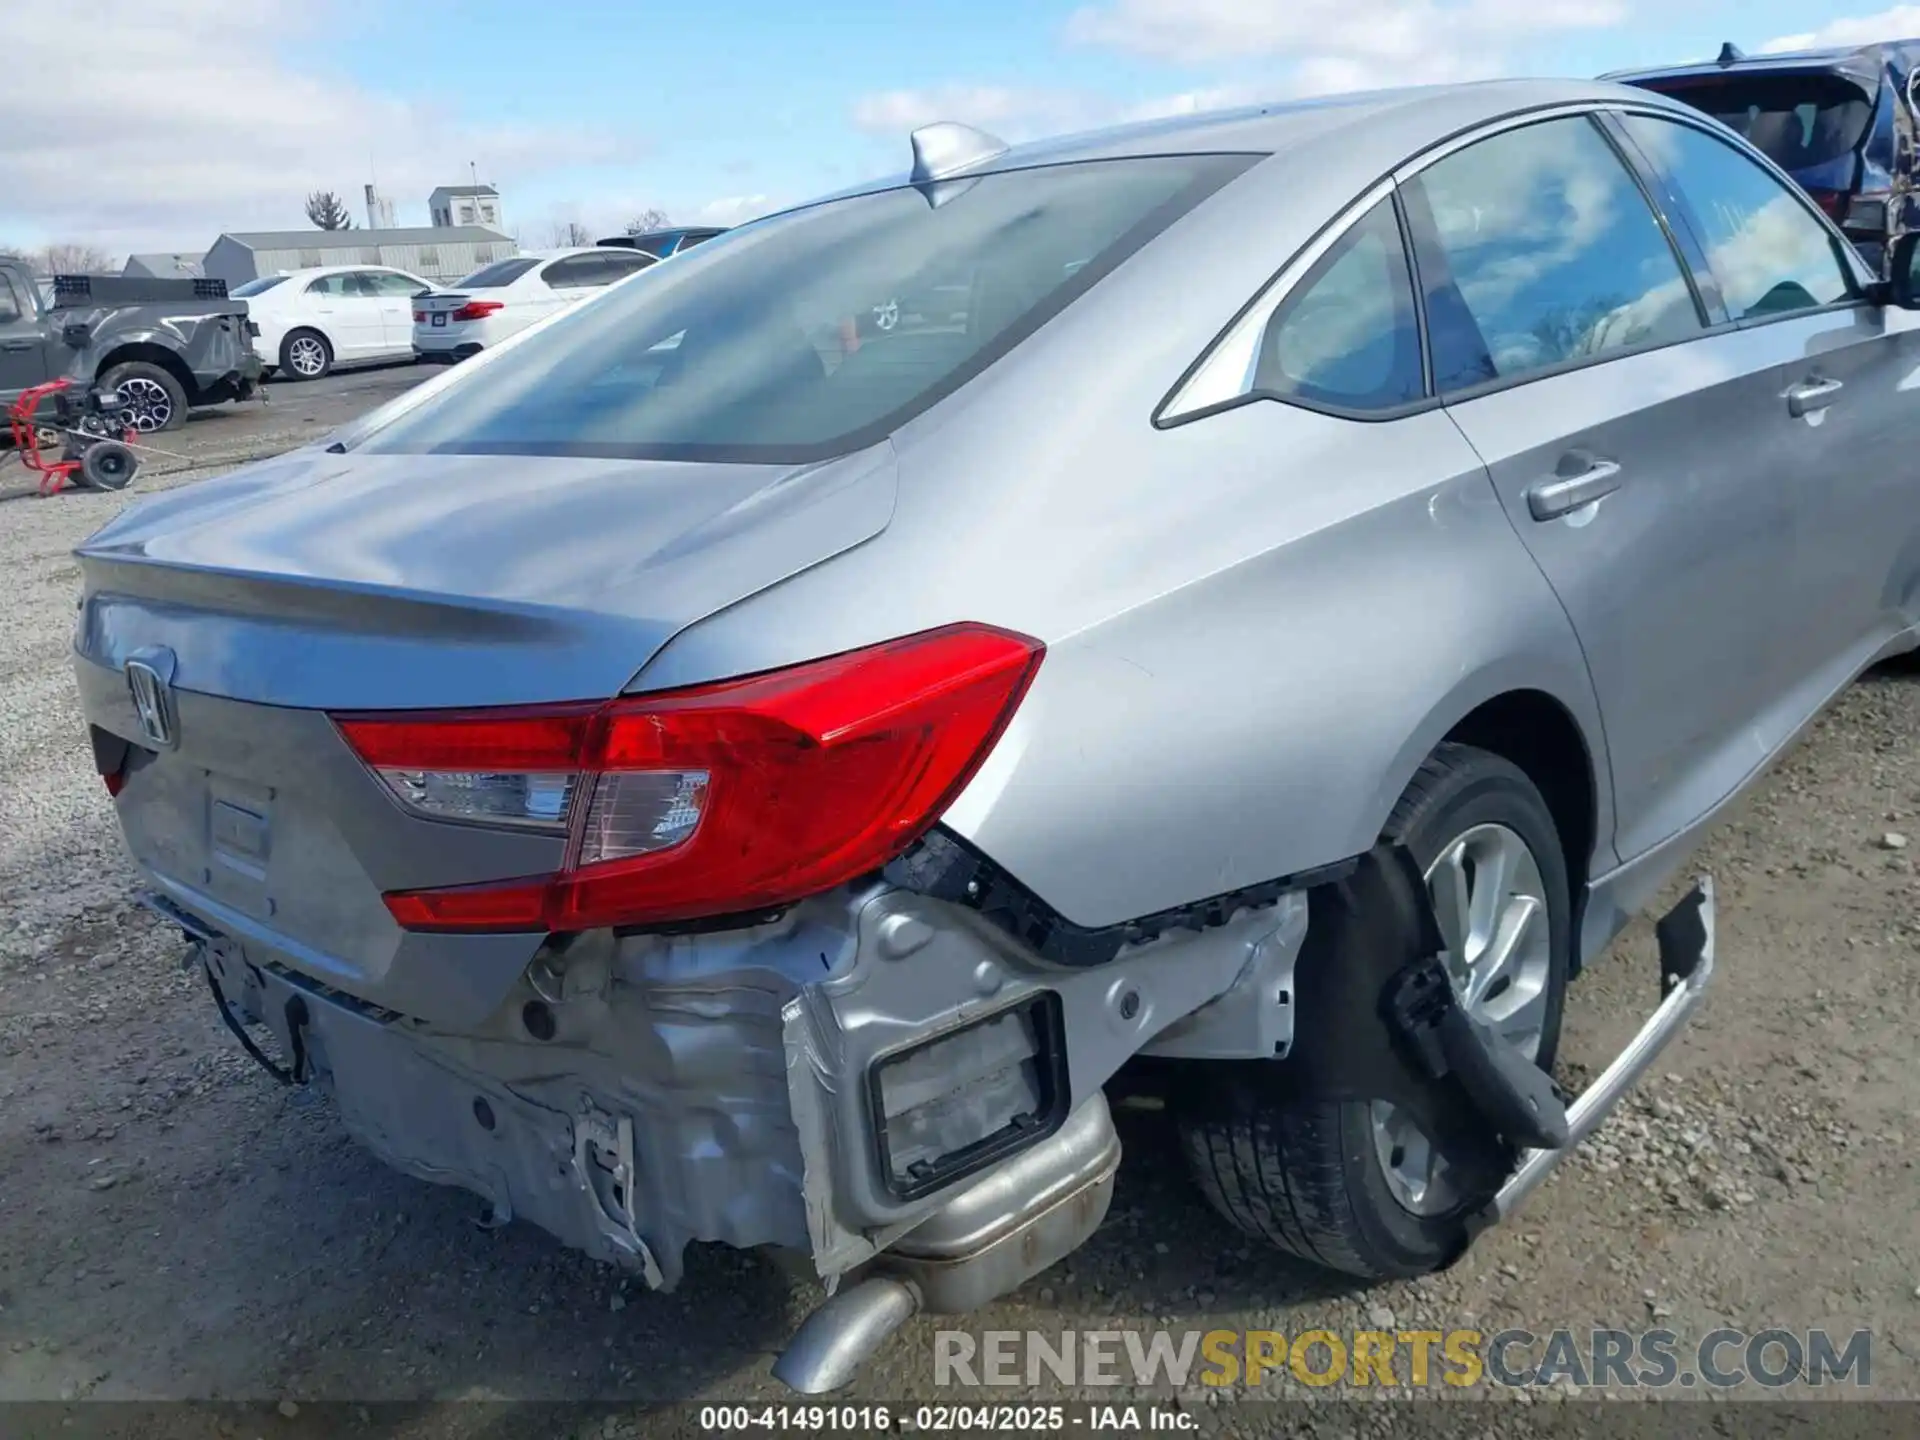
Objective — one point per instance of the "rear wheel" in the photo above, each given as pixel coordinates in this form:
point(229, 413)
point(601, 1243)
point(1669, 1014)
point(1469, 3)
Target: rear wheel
point(155, 400)
point(305, 355)
point(1355, 1186)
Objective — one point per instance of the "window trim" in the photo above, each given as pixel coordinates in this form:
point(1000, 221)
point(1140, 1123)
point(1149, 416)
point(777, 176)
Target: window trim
point(1849, 259)
point(1240, 346)
point(1237, 347)
point(1681, 238)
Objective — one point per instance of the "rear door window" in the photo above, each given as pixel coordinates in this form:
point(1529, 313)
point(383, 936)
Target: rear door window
point(387, 283)
point(621, 263)
point(499, 274)
point(1769, 251)
point(771, 349)
point(579, 272)
point(1797, 121)
point(1538, 249)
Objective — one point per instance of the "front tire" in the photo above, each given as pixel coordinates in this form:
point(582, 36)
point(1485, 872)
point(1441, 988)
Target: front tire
point(156, 401)
point(1341, 1184)
point(305, 355)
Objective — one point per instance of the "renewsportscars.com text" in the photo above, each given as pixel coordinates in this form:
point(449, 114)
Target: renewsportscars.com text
point(1650, 1359)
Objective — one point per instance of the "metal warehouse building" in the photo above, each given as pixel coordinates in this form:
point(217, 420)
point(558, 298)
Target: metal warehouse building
point(439, 253)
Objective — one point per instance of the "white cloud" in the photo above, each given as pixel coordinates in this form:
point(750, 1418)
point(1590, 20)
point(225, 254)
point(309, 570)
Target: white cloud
point(1895, 24)
point(733, 210)
point(1009, 111)
point(197, 125)
point(1280, 48)
point(1336, 44)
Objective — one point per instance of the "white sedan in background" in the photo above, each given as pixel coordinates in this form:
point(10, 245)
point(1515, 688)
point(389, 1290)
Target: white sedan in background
point(504, 298)
point(313, 320)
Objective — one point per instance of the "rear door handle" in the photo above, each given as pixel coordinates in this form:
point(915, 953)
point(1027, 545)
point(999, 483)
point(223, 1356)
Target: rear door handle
point(18, 345)
point(1805, 399)
point(1554, 498)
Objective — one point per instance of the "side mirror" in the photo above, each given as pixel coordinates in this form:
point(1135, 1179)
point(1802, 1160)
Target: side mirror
point(1903, 272)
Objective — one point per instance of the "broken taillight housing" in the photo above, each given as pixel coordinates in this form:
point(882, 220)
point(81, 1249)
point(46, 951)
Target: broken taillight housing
point(722, 799)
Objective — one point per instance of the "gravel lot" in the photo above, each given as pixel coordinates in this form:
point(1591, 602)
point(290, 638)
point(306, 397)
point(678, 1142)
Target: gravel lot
point(173, 1225)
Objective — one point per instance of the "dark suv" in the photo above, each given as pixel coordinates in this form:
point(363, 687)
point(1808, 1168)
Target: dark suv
point(1841, 122)
point(662, 243)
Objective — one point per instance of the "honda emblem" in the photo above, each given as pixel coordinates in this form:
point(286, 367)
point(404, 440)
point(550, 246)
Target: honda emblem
point(151, 686)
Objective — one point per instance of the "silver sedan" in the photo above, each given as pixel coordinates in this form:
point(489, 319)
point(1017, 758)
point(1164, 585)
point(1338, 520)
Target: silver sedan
point(1249, 604)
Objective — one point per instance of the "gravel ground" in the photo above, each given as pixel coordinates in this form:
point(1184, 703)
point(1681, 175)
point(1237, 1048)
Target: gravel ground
point(173, 1225)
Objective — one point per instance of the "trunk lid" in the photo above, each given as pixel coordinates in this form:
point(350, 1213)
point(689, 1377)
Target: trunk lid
point(352, 581)
point(321, 582)
point(442, 302)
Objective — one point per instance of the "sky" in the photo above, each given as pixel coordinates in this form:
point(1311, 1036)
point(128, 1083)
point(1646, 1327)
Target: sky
point(191, 117)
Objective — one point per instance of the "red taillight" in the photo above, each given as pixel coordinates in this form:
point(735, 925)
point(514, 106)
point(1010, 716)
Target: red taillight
point(478, 309)
point(116, 782)
point(419, 317)
point(725, 799)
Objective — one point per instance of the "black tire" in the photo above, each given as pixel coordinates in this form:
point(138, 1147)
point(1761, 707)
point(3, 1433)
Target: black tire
point(156, 400)
point(1305, 1175)
point(303, 339)
point(108, 465)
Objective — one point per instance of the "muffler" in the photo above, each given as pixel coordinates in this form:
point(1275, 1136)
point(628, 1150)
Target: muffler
point(991, 1238)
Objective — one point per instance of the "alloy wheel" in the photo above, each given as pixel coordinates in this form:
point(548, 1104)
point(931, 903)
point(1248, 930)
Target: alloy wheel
point(307, 356)
point(1491, 905)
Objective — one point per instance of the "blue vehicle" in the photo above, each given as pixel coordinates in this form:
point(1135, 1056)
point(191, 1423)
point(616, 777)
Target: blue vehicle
point(662, 243)
point(1841, 122)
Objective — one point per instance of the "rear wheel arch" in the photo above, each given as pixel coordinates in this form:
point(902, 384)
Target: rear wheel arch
point(1555, 742)
point(1537, 734)
point(149, 354)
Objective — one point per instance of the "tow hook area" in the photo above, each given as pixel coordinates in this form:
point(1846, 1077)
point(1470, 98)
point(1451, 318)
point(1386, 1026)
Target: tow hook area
point(603, 1165)
point(1685, 938)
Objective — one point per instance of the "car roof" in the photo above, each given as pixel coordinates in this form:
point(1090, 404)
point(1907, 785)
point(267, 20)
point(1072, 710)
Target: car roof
point(314, 272)
point(1421, 114)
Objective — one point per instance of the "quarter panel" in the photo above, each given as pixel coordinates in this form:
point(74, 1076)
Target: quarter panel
point(1257, 625)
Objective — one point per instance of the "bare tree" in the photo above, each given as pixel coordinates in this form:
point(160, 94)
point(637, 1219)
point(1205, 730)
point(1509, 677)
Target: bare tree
point(72, 258)
point(652, 218)
point(326, 210)
point(563, 234)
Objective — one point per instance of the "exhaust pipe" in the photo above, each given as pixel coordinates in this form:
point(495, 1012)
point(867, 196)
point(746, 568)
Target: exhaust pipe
point(843, 1334)
point(988, 1239)
point(1686, 966)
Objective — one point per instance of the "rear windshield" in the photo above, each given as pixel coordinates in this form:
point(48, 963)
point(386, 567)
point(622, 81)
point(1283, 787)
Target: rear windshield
point(501, 272)
point(816, 332)
point(257, 287)
point(1798, 121)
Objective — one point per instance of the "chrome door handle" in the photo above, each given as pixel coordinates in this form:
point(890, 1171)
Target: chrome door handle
point(1554, 498)
point(1814, 395)
point(18, 345)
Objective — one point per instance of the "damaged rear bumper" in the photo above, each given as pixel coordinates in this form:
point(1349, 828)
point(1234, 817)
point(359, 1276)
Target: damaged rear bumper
point(871, 1073)
point(890, 1088)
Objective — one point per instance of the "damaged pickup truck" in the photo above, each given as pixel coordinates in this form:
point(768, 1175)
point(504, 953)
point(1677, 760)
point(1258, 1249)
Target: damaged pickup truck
point(163, 345)
point(704, 772)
